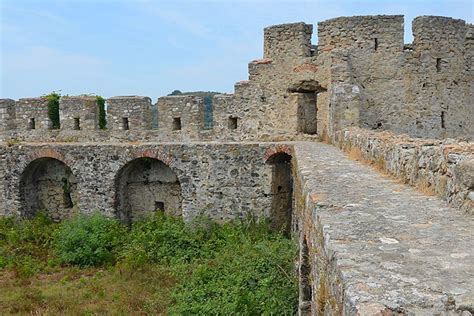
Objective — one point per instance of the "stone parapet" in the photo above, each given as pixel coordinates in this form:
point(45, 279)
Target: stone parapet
point(441, 167)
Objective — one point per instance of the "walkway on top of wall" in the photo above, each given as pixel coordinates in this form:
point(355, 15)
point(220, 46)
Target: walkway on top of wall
point(394, 246)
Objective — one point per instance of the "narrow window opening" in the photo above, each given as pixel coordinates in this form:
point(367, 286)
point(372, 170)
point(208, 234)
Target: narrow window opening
point(281, 193)
point(438, 64)
point(376, 43)
point(442, 120)
point(176, 124)
point(67, 199)
point(32, 123)
point(233, 122)
point(77, 123)
point(125, 125)
point(159, 206)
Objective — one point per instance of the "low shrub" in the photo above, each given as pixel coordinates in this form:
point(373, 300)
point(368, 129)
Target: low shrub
point(166, 239)
point(89, 240)
point(248, 276)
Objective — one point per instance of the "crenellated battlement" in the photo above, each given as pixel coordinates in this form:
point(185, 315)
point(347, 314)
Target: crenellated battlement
point(129, 113)
point(365, 33)
point(287, 41)
point(32, 113)
point(79, 113)
point(439, 34)
point(364, 73)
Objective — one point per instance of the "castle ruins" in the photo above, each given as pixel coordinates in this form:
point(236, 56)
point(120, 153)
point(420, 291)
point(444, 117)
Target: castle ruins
point(280, 147)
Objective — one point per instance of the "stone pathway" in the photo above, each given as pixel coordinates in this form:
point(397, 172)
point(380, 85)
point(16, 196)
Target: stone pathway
point(394, 245)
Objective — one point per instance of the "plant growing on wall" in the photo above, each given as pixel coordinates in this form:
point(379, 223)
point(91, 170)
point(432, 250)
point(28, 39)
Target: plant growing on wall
point(102, 118)
point(53, 109)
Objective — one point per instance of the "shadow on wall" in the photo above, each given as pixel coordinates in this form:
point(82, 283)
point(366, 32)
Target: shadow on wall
point(281, 192)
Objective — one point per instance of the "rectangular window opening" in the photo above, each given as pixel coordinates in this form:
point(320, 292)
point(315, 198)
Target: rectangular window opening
point(125, 125)
point(32, 123)
point(442, 120)
point(438, 64)
point(159, 206)
point(233, 122)
point(376, 43)
point(176, 124)
point(77, 123)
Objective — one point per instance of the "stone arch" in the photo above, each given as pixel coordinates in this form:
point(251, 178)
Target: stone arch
point(145, 185)
point(281, 191)
point(48, 184)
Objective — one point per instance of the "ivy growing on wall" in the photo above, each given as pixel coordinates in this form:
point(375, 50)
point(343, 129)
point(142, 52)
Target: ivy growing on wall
point(53, 109)
point(102, 118)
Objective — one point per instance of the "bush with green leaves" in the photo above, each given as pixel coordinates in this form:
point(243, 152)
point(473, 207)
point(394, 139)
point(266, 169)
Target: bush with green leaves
point(89, 240)
point(53, 109)
point(166, 239)
point(236, 268)
point(102, 114)
point(249, 275)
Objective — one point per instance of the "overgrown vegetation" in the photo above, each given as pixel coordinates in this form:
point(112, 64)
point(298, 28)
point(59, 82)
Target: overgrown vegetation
point(102, 115)
point(88, 240)
point(93, 264)
point(53, 109)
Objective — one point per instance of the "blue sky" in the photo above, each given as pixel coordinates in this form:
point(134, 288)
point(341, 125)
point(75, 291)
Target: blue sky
point(150, 48)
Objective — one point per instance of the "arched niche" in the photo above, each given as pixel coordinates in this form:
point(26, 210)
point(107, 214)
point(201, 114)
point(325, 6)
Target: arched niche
point(144, 186)
point(48, 184)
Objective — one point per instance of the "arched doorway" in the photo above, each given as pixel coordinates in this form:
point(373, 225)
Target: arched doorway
point(47, 184)
point(281, 192)
point(145, 185)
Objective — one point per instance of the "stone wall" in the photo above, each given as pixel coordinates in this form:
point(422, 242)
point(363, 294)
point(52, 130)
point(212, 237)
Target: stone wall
point(7, 114)
point(441, 167)
point(287, 41)
point(223, 181)
point(79, 113)
point(423, 89)
point(181, 117)
point(32, 114)
point(129, 113)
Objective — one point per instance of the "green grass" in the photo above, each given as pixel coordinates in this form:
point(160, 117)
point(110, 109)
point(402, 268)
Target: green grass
point(95, 265)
